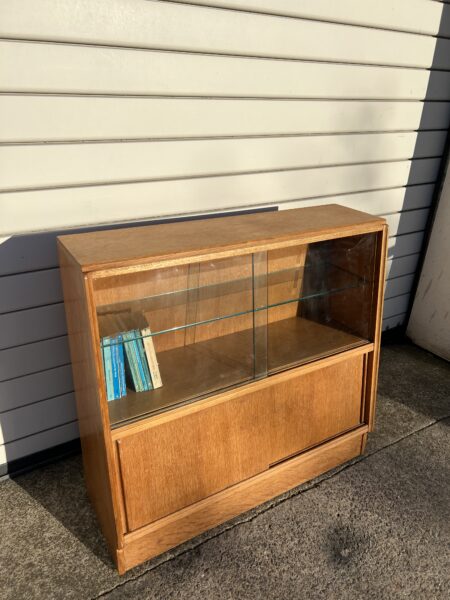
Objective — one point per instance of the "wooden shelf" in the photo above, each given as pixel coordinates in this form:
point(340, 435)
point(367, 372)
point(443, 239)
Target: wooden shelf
point(197, 370)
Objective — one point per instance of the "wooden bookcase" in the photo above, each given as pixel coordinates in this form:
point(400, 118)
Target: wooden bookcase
point(267, 331)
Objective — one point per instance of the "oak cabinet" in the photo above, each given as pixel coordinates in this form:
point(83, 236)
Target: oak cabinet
point(265, 329)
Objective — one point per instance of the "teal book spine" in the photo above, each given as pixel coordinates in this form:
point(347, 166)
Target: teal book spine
point(115, 368)
point(121, 361)
point(107, 366)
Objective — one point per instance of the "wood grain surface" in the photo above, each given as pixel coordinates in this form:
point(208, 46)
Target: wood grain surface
point(149, 244)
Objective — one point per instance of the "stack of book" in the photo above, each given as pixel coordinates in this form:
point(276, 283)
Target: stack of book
point(129, 358)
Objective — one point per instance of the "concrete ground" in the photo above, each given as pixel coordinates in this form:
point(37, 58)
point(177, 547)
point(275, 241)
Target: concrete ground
point(378, 527)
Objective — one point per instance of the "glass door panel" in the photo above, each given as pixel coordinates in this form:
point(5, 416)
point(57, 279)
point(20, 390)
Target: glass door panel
point(320, 299)
point(194, 325)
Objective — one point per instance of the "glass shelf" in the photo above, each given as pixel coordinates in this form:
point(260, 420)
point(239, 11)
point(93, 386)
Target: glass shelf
point(228, 287)
point(131, 312)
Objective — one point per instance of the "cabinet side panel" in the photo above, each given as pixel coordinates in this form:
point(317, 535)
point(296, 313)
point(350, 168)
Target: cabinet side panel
point(374, 357)
point(95, 460)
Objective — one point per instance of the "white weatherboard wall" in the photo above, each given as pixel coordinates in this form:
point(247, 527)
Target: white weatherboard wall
point(429, 324)
point(118, 111)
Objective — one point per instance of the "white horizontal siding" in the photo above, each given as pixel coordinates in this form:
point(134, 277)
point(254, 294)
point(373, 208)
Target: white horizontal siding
point(156, 26)
point(35, 166)
point(32, 118)
point(105, 203)
point(103, 70)
point(421, 16)
point(122, 111)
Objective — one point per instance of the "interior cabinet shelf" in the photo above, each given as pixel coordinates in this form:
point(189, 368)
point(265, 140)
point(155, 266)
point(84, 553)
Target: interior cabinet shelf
point(256, 339)
point(193, 371)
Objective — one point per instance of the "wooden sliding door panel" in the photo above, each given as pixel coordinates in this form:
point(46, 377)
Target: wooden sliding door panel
point(315, 406)
point(183, 460)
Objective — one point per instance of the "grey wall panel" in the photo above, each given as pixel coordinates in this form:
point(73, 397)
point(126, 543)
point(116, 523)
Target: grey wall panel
point(39, 441)
point(27, 290)
point(393, 322)
point(408, 221)
point(35, 324)
point(402, 266)
point(396, 305)
point(30, 389)
point(405, 244)
point(399, 286)
point(36, 357)
point(28, 420)
point(22, 254)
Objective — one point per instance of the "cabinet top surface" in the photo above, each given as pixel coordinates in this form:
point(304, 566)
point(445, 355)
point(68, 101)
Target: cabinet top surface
point(151, 243)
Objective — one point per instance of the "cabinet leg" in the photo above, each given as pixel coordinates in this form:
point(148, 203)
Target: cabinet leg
point(363, 442)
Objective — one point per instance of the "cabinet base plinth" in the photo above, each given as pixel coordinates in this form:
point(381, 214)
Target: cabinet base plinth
point(158, 537)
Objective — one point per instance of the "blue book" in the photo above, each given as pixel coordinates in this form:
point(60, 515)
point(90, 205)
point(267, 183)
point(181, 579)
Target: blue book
point(121, 359)
point(115, 367)
point(107, 367)
point(120, 388)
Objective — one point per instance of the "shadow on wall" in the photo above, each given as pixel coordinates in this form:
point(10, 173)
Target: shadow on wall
point(399, 306)
point(34, 353)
